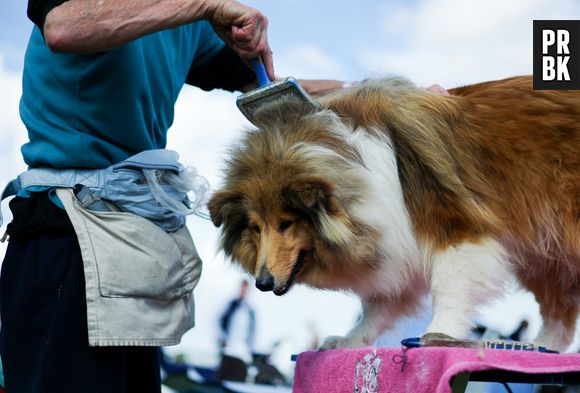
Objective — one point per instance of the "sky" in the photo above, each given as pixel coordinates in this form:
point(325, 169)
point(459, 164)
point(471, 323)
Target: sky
point(449, 42)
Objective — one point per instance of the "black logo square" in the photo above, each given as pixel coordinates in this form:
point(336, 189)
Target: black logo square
point(556, 54)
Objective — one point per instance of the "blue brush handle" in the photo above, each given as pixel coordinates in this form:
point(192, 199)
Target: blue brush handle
point(260, 71)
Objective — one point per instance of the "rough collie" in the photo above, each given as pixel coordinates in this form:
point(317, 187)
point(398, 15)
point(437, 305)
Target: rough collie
point(392, 192)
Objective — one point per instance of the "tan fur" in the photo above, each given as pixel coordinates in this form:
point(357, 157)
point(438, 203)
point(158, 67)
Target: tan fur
point(511, 150)
point(493, 160)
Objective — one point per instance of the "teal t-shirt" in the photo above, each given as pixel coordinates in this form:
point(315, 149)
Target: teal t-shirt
point(91, 111)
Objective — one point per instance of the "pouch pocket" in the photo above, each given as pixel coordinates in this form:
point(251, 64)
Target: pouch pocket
point(135, 258)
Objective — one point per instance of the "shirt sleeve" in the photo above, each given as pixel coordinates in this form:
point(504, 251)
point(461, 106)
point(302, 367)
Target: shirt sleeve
point(38, 9)
point(226, 70)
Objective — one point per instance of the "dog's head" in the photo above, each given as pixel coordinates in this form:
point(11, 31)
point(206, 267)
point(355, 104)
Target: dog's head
point(273, 227)
point(287, 189)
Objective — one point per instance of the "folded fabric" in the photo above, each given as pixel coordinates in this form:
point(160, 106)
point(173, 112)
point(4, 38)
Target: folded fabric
point(414, 370)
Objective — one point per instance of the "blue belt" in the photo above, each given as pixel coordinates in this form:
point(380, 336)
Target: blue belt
point(147, 184)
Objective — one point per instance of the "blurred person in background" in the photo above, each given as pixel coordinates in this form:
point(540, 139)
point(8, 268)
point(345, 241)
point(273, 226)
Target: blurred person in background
point(238, 326)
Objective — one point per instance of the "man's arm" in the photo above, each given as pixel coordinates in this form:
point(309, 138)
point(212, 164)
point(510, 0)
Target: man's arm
point(89, 26)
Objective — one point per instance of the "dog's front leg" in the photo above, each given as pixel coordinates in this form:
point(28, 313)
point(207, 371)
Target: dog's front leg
point(463, 277)
point(375, 319)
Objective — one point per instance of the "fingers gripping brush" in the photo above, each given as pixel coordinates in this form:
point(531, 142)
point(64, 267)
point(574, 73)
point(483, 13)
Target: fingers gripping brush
point(270, 92)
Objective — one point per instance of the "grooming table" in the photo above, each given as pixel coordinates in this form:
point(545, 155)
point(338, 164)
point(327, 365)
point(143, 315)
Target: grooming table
point(427, 369)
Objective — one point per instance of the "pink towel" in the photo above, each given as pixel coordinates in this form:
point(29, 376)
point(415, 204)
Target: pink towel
point(415, 370)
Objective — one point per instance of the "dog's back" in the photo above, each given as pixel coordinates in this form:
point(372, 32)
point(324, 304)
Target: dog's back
point(528, 144)
point(512, 150)
point(496, 158)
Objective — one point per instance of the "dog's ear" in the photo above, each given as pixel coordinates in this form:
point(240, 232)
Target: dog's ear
point(223, 204)
point(315, 197)
point(226, 209)
point(310, 194)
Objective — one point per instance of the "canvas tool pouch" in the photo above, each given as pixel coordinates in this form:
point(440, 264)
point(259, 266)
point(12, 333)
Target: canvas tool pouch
point(140, 262)
point(139, 278)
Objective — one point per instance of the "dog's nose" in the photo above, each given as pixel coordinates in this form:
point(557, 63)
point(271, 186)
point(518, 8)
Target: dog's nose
point(265, 281)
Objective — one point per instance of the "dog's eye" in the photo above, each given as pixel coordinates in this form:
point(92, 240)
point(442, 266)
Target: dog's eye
point(285, 225)
point(255, 228)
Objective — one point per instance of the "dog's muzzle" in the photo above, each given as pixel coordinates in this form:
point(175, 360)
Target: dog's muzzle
point(265, 280)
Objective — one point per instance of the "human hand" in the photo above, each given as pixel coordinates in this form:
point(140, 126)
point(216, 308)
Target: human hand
point(244, 29)
point(438, 90)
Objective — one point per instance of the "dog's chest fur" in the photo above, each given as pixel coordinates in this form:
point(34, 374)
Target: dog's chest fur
point(382, 206)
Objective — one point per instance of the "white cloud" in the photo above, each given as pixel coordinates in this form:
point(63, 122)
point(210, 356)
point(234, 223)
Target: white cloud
point(12, 134)
point(308, 62)
point(12, 131)
point(453, 42)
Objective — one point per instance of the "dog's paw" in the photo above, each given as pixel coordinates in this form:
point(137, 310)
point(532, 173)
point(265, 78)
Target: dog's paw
point(555, 336)
point(336, 342)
